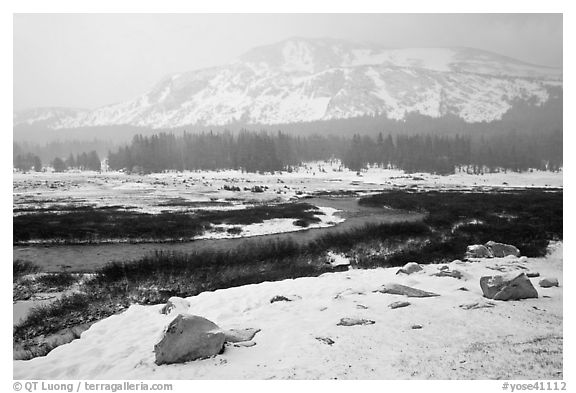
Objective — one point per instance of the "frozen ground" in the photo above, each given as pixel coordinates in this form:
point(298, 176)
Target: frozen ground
point(329, 217)
point(205, 190)
point(190, 191)
point(511, 340)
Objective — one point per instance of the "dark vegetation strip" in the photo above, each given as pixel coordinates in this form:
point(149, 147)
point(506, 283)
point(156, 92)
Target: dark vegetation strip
point(527, 219)
point(93, 225)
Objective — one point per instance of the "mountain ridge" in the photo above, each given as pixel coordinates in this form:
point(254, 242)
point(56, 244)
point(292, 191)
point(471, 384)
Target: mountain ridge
point(302, 80)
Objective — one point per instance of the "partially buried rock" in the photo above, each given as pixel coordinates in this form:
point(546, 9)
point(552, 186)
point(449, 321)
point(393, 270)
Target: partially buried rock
point(449, 273)
point(398, 304)
point(354, 322)
point(416, 326)
point(477, 305)
point(325, 340)
point(280, 298)
point(548, 282)
point(532, 274)
point(239, 335)
point(513, 287)
point(247, 344)
point(176, 304)
point(409, 268)
point(189, 337)
point(397, 289)
point(500, 250)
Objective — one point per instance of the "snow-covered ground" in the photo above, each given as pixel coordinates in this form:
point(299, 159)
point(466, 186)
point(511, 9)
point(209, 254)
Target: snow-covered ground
point(175, 191)
point(511, 340)
point(328, 218)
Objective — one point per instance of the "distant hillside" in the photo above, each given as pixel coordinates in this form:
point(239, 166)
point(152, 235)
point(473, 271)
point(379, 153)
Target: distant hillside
point(312, 80)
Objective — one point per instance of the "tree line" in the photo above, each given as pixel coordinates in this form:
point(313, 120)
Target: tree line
point(266, 152)
point(444, 154)
point(26, 162)
point(247, 151)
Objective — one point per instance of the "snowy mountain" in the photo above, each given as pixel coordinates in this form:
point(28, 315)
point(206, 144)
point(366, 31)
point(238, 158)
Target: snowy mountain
point(300, 80)
point(47, 116)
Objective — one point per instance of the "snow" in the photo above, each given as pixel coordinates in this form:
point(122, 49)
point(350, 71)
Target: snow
point(436, 59)
point(276, 225)
point(337, 259)
point(523, 338)
point(151, 193)
point(301, 80)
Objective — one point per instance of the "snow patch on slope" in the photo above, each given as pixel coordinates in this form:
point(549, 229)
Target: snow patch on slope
point(308, 80)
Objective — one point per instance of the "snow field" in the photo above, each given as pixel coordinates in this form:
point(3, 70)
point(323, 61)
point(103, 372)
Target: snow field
point(453, 342)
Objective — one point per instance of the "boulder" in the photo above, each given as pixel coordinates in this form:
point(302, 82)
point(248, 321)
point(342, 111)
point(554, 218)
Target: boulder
point(548, 282)
point(189, 337)
point(409, 268)
point(176, 304)
point(239, 335)
point(500, 250)
point(397, 289)
point(478, 251)
point(513, 287)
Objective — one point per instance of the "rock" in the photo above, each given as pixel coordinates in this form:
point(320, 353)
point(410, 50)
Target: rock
point(189, 337)
point(416, 326)
point(500, 250)
point(397, 289)
point(548, 282)
point(279, 298)
point(398, 304)
point(361, 307)
point(478, 251)
point(354, 322)
point(409, 268)
point(239, 335)
point(449, 273)
point(477, 305)
point(512, 287)
point(176, 304)
point(443, 267)
point(325, 340)
point(532, 274)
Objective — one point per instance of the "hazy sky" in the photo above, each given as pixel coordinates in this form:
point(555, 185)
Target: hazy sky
point(90, 60)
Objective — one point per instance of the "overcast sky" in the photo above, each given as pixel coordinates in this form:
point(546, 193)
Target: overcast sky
point(91, 60)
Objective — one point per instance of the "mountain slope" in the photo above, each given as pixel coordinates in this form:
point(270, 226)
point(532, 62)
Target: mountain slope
point(300, 80)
